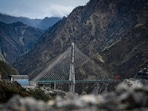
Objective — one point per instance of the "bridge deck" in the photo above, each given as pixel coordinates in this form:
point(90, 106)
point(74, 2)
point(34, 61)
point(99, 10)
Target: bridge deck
point(76, 81)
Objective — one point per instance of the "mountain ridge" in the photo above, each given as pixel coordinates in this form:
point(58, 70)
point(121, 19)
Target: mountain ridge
point(37, 23)
point(95, 28)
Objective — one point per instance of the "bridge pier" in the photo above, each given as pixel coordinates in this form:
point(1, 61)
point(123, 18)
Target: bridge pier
point(72, 87)
point(55, 86)
point(96, 89)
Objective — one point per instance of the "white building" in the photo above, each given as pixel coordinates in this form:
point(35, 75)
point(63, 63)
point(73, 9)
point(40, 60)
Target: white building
point(23, 80)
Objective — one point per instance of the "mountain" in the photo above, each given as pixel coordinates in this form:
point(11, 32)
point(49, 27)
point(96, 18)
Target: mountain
point(11, 19)
point(16, 39)
point(130, 54)
point(96, 28)
point(37, 23)
point(47, 22)
point(6, 70)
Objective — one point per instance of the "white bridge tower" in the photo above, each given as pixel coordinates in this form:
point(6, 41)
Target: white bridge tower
point(72, 69)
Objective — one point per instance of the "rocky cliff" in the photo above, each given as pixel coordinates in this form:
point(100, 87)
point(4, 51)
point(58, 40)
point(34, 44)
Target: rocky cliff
point(95, 28)
point(129, 54)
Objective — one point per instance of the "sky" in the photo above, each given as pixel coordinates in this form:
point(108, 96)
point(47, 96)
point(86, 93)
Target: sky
point(39, 8)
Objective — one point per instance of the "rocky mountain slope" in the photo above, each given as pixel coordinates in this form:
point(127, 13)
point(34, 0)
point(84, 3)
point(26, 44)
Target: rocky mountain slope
point(16, 39)
point(130, 54)
point(6, 70)
point(37, 23)
point(95, 27)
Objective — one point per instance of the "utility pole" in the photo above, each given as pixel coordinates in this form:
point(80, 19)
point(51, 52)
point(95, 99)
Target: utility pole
point(72, 69)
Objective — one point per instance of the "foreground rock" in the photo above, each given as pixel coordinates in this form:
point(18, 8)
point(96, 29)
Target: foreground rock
point(125, 98)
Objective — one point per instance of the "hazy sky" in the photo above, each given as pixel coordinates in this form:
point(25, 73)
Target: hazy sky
point(39, 8)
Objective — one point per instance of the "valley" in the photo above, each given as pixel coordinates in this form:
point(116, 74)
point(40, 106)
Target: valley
point(90, 51)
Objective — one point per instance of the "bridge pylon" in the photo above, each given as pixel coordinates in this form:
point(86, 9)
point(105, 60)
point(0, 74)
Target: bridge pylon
point(72, 69)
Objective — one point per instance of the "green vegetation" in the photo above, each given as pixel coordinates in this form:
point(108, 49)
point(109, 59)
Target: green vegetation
point(9, 89)
point(39, 94)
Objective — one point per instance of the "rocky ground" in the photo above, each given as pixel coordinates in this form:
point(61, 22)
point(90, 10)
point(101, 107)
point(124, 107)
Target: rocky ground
point(130, 95)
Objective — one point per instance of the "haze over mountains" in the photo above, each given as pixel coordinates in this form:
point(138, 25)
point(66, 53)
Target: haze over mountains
point(112, 35)
point(37, 23)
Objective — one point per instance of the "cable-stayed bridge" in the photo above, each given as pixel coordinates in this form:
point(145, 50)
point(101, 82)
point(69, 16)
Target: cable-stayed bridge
point(62, 70)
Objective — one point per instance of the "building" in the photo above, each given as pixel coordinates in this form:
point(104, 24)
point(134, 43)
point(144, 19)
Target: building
point(23, 80)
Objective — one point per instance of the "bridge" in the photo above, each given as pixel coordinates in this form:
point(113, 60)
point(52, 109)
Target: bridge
point(59, 74)
point(54, 83)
